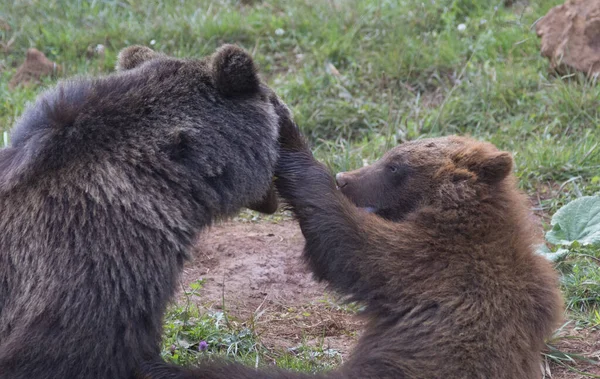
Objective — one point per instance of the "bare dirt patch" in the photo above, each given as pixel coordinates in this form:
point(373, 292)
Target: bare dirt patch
point(570, 37)
point(35, 67)
point(255, 269)
point(581, 342)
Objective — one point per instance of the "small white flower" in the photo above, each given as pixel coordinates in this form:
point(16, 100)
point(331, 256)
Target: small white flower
point(461, 27)
point(152, 42)
point(279, 31)
point(482, 21)
point(99, 48)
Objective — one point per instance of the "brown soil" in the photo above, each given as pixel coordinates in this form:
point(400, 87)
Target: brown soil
point(570, 37)
point(580, 342)
point(35, 67)
point(256, 268)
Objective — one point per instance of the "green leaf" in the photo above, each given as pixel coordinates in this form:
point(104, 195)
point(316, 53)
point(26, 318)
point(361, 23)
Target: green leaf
point(578, 221)
point(554, 257)
point(183, 343)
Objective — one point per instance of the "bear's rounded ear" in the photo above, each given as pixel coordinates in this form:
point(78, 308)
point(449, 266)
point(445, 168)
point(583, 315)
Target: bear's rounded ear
point(489, 164)
point(234, 71)
point(133, 56)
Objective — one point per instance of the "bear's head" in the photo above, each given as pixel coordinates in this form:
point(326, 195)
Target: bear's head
point(233, 69)
point(232, 73)
point(441, 171)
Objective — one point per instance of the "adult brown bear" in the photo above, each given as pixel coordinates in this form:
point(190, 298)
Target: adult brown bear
point(103, 189)
point(437, 242)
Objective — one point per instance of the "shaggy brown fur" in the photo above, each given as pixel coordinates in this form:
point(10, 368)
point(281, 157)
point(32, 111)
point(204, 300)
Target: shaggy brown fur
point(445, 265)
point(103, 189)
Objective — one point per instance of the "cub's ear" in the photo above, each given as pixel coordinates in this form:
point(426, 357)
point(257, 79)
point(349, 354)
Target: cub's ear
point(484, 160)
point(133, 56)
point(234, 71)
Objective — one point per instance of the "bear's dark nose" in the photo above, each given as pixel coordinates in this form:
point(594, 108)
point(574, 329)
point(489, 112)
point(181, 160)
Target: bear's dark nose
point(340, 180)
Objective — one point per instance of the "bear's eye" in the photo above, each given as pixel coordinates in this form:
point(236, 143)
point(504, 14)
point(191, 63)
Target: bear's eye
point(393, 168)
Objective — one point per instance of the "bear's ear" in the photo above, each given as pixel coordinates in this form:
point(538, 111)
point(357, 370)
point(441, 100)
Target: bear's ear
point(133, 56)
point(234, 71)
point(489, 164)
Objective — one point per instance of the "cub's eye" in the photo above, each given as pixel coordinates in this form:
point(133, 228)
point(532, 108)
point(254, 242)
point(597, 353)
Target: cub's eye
point(393, 168)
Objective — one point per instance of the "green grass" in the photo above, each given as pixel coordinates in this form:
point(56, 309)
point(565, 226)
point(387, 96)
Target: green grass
point(361, 76)
point(581, 285)
point(188, 327)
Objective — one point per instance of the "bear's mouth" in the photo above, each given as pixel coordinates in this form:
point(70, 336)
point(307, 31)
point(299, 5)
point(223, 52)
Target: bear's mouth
point(268, 204)
point(364, 207)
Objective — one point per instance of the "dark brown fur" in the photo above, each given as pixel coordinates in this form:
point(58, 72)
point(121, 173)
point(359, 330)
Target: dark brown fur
point(103, 190)
point(440, 250)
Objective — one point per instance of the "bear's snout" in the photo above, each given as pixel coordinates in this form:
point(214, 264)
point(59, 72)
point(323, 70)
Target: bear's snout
point(341, 180)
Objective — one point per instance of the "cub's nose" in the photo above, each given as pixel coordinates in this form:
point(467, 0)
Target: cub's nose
point(340, 179)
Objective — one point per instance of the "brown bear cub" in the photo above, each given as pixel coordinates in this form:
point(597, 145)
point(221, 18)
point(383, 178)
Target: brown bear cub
point(436, 241)
point(103, 190)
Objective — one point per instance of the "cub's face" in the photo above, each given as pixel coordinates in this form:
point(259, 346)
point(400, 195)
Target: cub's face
point(230, 74)
point(424, 172)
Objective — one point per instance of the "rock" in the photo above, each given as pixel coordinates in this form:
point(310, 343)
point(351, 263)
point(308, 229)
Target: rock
point(35, 67)
point(570, 36)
